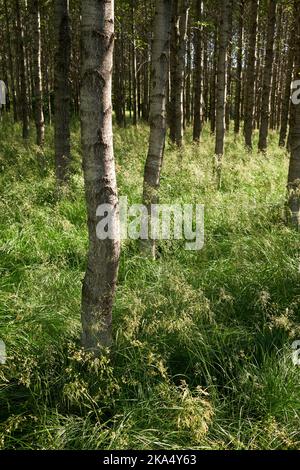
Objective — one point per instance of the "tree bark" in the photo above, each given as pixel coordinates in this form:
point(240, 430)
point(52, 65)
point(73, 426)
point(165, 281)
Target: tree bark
point(99, 172)
point(287, 89)
point(24, 105)
point(250, 75)
point(294, 167)
point(37, 72)
point(238, 89)
point(221, 77)
point(157, 117)
point(267, 77)
point(62, 95)
point(197, 74)
point(178, 51)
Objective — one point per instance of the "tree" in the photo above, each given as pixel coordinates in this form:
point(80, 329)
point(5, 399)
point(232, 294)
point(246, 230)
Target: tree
point(221, 83)
point(37, 72)
point(267, 77)
point(294, 167)
point(99, 172)
point(178, 55)
point(197, 73)
point(62, 94)
point(250, 74)
point(239, 68)
point(23, 96)
point(157, 117)
point(285, 106)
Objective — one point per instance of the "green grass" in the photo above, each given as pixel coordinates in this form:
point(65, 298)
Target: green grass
point(202, 355)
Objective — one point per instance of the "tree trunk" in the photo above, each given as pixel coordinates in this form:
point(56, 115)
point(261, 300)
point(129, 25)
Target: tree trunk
point(62, 94)
point(99, 172)
point(37, 72)
point(213, 82)
point(267, 77)
point(22, 72)
point(10, 61)
point(134, 68)
point(221, 78)
point(294, 167)
point(157, 118)
point(197, 74)
point(287, 89)
point(238, 89)
point(250, 75)
point(178, 51)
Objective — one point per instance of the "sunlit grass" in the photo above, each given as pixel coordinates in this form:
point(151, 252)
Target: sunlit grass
point(202, 339)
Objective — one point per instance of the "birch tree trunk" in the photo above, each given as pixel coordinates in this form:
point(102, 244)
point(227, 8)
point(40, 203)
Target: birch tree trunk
point(197, 127)
point(238, 89)
point(267, 77)
point(157, 117)
point(285, 106)
point(221, 84)
point(62, 94)
point(250, 74)
point(37, 72)
point(24, 105)
point(99, 172)
point(294, 167)
point(178, 52)
point(10, 61)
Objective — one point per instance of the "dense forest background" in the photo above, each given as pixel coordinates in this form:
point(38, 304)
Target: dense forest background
point(194, 349)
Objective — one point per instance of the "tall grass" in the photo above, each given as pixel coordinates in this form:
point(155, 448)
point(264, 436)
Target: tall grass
point(202, 355)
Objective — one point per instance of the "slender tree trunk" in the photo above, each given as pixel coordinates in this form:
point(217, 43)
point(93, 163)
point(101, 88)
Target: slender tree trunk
point(213, 83)
point(37, 71)
point(275, 75)
point(267, 77)
point(157, 118)
point(229, 71)
point(238, 89)
point(134, 68)
point(294, 168)
point(188, 80)
point(117, 83)
point(99, 172)
point(10, 61)
point(197, 74)
point(24, 105)
point(221, 78)
point(62, 95)
point(287, 90)
point(250, 74)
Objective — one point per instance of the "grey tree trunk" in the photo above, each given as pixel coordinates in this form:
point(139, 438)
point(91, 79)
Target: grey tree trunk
point(267, 77)
point(221, 78)
point(37, 72)
point(24, 105)
point(99, 172)
point(178, 53)
point(287, 89)
point(294, 167)
point(250, 74)
point(157, 117)
point(238, 89)
point(197, 127)
point(62, 93)
point(10, 61)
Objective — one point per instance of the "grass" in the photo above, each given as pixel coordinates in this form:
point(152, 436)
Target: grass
point(202, 352)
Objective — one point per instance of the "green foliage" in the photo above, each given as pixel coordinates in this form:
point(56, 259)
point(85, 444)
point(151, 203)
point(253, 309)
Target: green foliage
point(202, 339)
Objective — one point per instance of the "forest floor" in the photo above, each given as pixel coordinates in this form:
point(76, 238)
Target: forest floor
point(202, 352)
